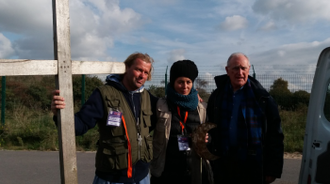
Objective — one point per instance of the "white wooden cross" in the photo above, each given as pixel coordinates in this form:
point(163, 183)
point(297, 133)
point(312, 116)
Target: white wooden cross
point(63, 68)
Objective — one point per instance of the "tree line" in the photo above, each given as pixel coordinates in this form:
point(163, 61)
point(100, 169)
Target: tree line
point(29, 123)
point(35, 92)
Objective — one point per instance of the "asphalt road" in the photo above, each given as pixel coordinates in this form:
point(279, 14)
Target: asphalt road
point(39, 167)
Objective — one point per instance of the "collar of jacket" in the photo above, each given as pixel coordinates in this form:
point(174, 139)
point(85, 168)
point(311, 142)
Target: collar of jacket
point(115, 80)
point(258, 89)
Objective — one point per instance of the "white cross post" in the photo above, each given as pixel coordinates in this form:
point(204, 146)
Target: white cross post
point(63, 68)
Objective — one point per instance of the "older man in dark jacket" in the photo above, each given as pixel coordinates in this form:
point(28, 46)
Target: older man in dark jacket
point(248, 138)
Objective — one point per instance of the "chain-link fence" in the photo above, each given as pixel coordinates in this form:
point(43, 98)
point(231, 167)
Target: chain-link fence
point(298, 78)
point(28, 102)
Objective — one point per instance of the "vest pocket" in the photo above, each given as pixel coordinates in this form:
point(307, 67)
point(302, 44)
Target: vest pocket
point(149, 148)
point(115, 156)
point(146, 118)
point(118, 131)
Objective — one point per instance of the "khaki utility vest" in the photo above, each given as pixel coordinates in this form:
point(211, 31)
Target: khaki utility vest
point(112, 152)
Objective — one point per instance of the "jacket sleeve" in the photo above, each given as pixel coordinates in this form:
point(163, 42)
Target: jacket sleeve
point(153, 117)
point(89, 114)
point(273, 145)
point(210, 107)
point(214, 134)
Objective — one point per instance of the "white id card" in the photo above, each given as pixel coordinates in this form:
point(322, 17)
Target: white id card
point(114, 118)
point(183, 142)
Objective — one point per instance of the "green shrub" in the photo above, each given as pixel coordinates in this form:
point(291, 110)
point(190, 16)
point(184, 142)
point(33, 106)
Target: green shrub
point(40, 97)
point(293, 125)
point(29, 123)
point(91, 83)
point(88, 141)
point(28, 129)
point(157, 91)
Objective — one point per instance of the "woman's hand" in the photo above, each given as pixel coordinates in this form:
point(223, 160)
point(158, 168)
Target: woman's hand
point(206, 137)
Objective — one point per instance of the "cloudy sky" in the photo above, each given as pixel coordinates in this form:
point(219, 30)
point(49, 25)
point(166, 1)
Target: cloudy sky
point(271, 32)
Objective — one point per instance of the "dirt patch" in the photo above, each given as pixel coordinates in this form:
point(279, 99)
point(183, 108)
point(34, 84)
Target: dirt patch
point(295, 155)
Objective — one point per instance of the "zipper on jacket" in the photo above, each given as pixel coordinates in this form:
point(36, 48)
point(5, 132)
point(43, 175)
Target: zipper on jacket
point(139, 137)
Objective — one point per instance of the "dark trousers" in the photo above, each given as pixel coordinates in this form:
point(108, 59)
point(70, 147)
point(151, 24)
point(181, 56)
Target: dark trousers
point(231, 170)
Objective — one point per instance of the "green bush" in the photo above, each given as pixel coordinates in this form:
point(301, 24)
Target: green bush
point(26, 129)
point(293, 125)
point(300, 98)
point(88, 141)
point(29, 123)
point(91, 83)
point(40, 96)
point(157, 91)
point(281, 94)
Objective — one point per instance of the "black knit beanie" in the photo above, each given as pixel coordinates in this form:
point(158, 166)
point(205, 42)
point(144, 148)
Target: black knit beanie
point(183, 68)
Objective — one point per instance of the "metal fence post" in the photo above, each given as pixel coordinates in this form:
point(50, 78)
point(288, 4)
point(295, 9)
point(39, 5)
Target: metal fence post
point(166, 80)
point(3, 100)
point(254, 72)
point(83, 89)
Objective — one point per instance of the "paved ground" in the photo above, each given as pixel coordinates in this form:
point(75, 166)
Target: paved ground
point(39, 167)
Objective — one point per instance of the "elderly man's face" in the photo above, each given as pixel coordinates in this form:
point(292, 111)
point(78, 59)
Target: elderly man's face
point(238, 71)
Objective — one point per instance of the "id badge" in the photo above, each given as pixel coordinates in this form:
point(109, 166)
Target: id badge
point(183, 142)
point(114, 118)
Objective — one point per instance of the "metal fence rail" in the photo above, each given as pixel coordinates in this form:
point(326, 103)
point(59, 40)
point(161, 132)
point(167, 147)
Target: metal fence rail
point(298, 78)
point(295, 82)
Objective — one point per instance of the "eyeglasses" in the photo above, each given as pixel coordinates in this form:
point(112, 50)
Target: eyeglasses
point(237, 68)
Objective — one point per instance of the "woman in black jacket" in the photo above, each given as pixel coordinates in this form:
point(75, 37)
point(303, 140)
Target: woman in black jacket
point(179, 113)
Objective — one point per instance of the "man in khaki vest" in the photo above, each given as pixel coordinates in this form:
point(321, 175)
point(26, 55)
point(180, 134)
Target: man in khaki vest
point(122, 109)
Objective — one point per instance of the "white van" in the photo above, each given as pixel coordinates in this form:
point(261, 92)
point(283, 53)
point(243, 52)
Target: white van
point(315, 165)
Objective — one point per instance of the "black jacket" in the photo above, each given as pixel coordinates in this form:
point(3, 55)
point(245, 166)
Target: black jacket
point(273, 147)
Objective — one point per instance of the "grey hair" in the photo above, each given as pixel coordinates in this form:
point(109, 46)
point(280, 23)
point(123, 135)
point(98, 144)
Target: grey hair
point(237, 54)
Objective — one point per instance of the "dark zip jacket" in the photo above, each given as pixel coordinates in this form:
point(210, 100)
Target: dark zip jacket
point(272, 142)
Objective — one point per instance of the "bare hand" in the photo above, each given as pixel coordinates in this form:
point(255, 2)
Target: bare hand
point(269, 179)
point(57, 102)
point(199, 98)
point(207, 137)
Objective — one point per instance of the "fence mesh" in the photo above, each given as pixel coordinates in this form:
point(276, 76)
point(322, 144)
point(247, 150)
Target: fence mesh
point(299, 78)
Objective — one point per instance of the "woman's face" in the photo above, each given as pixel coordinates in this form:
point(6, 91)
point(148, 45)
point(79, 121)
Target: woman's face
point(183, 85)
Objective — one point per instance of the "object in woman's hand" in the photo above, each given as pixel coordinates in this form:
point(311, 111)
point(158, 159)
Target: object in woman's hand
point(198, 141)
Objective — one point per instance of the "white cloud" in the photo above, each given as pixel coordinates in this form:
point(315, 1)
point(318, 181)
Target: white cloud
point(83, 51)
point(6, 49)
point(31, 23)
point(269, 32)
point(230, 7)
point(298, 55)
point(176, 55)
point(293, 11)
point(27, 17)
point(269, 26)
point(208, 76)
point(163, 3)
point(96, 24)
point(234, 22)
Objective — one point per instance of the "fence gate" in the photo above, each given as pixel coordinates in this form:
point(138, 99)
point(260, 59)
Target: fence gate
point(63, 68)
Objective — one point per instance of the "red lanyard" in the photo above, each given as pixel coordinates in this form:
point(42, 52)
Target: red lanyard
point(185, 118)
point(129, 159)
